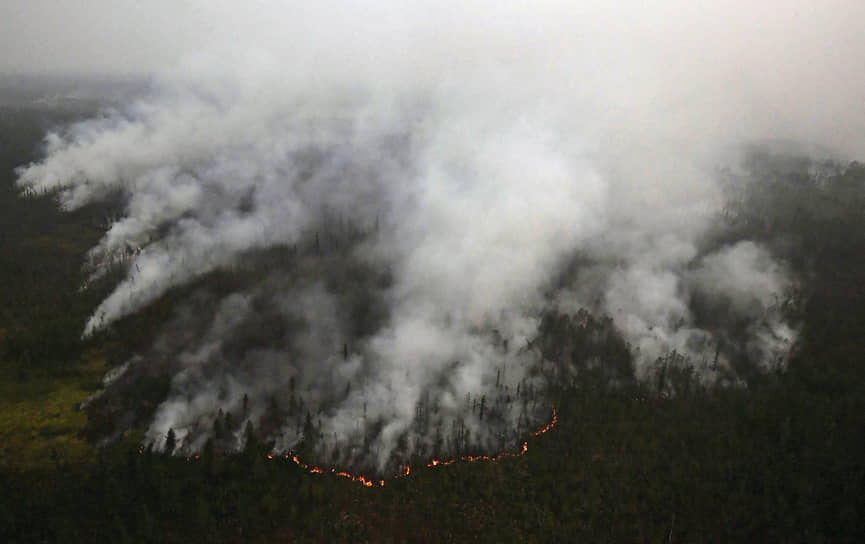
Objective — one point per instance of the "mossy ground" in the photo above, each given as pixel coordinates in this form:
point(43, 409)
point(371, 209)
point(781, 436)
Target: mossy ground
point(40, 420)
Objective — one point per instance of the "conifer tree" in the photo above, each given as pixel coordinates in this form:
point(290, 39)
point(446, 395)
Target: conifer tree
point(170, 442)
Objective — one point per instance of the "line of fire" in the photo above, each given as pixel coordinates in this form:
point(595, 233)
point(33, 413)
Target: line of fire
point(406, 470)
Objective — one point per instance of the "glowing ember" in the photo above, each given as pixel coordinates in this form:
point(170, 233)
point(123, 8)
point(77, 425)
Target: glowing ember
point(503, 455)
point(406, 470)
point(549, 425)
point(363, 480)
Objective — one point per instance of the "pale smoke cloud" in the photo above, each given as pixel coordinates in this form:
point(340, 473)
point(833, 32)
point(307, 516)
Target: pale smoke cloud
point(493, 143)
point(650, 302)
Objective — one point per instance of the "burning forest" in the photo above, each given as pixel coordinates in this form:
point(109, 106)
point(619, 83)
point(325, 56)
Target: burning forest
point(406, 469)
point(373, 241)
point(352, 279)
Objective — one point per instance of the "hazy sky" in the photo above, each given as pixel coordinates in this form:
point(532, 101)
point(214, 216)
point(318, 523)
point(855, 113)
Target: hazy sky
point(134, 36)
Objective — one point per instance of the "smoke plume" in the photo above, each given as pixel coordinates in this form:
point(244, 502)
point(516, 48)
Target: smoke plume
point(421, 182)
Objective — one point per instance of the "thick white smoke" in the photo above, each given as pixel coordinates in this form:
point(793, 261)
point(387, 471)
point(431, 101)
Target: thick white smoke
point(489, 143)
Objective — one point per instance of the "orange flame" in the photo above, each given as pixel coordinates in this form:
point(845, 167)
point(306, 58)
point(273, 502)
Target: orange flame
point(406, 470)
point(549, 425)
point(363, 480)
point(523, 450)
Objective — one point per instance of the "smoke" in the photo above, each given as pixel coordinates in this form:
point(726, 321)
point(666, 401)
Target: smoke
point(430, 175)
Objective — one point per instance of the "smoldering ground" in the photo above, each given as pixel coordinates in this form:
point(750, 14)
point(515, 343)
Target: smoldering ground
point(453, 164)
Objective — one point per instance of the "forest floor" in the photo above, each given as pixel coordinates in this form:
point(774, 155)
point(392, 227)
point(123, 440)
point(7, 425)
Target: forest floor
point(40, 420)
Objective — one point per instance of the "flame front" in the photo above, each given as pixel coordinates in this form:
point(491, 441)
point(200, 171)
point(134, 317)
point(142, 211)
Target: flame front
point(363, 480)
point(549, 425)
point(406, 470)
point(523, 449)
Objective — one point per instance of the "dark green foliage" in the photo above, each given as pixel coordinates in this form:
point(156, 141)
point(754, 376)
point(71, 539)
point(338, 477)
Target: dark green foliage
point(585, 349)
point(42, 312)
point(170, 442)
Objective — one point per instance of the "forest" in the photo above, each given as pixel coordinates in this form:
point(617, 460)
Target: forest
point(668, 459)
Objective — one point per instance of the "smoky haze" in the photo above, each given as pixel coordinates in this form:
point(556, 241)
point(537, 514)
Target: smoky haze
point(480, 148)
